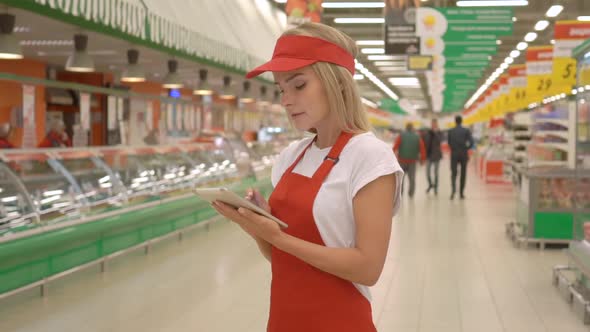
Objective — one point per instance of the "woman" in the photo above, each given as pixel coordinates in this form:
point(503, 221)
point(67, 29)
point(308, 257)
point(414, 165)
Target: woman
point(337, 191)
point(57, 136)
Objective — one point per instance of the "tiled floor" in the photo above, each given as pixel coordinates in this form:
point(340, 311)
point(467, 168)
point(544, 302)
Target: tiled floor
point(450, 268)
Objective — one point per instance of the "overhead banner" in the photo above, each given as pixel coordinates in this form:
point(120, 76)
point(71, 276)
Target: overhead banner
point(568, 35)
point(539, 68)
point(517, 81)
point(400, 30)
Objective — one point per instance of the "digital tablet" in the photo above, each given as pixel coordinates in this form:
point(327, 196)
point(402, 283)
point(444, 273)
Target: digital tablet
point(229, 197)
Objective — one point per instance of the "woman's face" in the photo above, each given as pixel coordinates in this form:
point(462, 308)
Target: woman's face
point(304, 97)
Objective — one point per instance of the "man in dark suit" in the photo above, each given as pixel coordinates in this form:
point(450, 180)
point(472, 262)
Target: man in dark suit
point(460, 141)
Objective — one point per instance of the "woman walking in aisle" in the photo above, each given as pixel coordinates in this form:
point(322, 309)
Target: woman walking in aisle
point(337, 191)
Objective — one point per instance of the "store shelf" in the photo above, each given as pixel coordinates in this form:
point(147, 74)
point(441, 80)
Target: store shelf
point(556, 133)
point(559, 146)
point(539, 163)
point(562, 122)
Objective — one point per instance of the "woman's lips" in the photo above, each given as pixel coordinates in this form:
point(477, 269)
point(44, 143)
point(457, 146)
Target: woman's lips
point(294, 115)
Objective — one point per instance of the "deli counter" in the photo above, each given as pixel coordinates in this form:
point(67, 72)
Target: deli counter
point(62, 208)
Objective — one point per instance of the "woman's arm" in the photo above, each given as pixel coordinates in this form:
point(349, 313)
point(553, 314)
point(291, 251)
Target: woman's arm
point(373, 212)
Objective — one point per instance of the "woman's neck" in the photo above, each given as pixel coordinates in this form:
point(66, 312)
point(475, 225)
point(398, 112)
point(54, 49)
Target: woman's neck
point(327, 136)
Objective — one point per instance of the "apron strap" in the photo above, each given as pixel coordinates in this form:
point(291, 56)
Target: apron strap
point(332, 158)
point(290, 169)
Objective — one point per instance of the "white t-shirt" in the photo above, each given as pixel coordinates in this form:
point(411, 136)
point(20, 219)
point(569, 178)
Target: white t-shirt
point(364, 159)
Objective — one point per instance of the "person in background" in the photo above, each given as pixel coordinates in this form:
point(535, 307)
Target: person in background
point(460, 141)
point(4, 135)
point(57, 136)
point(432, 140)
point(409, 148)
point(152, 138)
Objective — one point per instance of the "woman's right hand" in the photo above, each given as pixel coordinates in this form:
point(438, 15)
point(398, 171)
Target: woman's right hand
point(257, 199)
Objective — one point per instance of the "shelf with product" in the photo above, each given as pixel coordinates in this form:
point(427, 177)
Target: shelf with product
point(577, 291)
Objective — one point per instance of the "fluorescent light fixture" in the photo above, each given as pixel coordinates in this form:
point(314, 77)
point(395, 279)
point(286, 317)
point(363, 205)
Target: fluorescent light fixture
point(491, 3)
point(514, 19)
point(498, 42)
point(531, 36)
point(584, 18)
point(368, 102)
point(359, 20)
point(370, 42)
point(380, 57)
point(554, 10)
point(552, 41)
point(281, 1)
point(375, 80)
point(359, 77)
point(389, 63)
point(522, 46)
point(404, 81)
point(514, 54)
point(373, 51)
point(504, 65)
point(380, 4)
point(393, 68)
point(541, 25)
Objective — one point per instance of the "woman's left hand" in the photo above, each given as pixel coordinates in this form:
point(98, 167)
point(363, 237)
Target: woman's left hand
point(251, 222)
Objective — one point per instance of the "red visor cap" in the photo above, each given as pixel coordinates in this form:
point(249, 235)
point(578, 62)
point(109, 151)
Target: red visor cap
point(294, 52)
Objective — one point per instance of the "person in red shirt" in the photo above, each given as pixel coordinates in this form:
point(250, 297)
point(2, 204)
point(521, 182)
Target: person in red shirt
point(4, 134)
point(57, 136)
point(409, 149)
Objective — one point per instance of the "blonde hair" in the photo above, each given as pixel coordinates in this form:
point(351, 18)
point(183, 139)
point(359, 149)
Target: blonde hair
point(342, 92)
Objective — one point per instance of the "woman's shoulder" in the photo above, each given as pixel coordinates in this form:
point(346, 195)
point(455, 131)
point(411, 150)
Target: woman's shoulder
point(369, 143)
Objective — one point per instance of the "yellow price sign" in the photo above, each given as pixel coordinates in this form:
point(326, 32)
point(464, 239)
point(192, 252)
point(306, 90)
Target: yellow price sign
point(518, 98)
point(539, 86)
point(564, 72)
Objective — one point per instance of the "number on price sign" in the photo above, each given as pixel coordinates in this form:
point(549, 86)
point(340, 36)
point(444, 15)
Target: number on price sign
point(544, 84)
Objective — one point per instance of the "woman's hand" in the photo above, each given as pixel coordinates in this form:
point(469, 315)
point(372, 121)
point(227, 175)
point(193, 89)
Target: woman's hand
point(257, 226)
point(257, 199)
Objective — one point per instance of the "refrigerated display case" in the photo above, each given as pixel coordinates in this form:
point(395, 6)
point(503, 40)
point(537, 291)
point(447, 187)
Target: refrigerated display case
point(65, 208)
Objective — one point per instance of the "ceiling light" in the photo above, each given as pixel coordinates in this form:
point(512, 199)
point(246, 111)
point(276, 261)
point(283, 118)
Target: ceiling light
point(522, 46)
point(552, 41)
point(531, 36)
point(281, 1)
point(380, 57)
point(514, 54)
point(172, 79)
point(9, 44)
point(554, 11)
point(358, 77)
point(373, 51)
point(246, 94)
point(204, 89)
point(370, 42)
point(392, 68)
point(134, 72)
point(375, 80)
point(380, 4)
point(504, 65)
point(368, 102)
point(491, 3)
point(389, 63)
point(541, 25)
point(584, 18)
point(357, 20)
point(404, 81)
point(227, 92)
point(514, 19)
point(80, 60)
point(498, 42)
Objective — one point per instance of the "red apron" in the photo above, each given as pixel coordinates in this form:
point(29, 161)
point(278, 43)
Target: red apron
point(304, 298)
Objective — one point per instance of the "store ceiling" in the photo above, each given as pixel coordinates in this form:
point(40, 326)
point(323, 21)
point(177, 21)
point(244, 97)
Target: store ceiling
point(526, 18)
point(109, 54)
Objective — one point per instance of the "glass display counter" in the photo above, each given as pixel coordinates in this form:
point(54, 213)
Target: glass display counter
point(65, 208)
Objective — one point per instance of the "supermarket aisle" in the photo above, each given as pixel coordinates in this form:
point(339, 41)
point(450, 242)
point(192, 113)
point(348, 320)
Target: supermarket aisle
point(450, 268)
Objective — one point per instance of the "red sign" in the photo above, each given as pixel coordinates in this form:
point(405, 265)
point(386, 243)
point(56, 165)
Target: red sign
point(517, 70)
point(572, 30)
point(539, 53)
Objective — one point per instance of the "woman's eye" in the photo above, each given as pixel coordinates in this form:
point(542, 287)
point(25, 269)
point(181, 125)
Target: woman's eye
point(300, 87)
